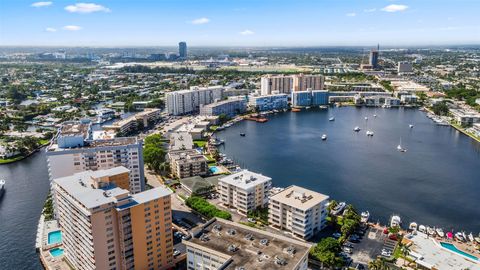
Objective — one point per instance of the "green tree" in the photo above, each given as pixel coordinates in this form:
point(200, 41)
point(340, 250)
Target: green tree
point(154, 156)
point(440, 108)
point(326, 251)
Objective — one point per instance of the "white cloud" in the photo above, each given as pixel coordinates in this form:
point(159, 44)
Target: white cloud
point(72, 27)
point(247, 32)
point(202, 20)
point(351, 14)
point(370, 10)
point(41, 4)
point(395, 8)
point(86, 8)
point(50, 29)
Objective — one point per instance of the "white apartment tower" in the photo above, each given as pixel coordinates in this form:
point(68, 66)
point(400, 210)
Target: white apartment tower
point(279, 84)
point(74, 151)
point(299, 211)
point(189, 101)
point(245, 191)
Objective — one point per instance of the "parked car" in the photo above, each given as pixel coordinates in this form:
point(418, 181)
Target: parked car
point(337, 235)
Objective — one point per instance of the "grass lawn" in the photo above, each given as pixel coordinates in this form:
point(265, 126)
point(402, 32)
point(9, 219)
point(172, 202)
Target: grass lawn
point(213, 128)
point(200, 143)
point(210, 159)
point(43, 141)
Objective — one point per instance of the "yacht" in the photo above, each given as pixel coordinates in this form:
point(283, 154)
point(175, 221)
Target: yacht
point(216, 141)
point(395, 221)
point(339, 208)
point(356, 129)
point(331, 119)
point(422, 228)
point(324, 137)
point(413, 226)
point(242, 134)
point(411, 126)
point(430, 231)
point(440, 232)
point(2, 186)
point(459, 236)
point(365, 216)
point(369, 133)
point(366, 118)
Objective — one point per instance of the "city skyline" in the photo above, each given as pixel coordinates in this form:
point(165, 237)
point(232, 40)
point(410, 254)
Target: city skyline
point(239, 23)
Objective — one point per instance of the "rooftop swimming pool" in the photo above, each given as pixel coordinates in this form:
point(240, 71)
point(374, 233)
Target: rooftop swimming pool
point(54, 237)
point(453, 248)
point(55, 252)
point(214, 169)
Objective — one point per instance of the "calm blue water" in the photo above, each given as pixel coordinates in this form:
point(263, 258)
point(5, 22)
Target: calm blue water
point(436, 182)
point(56, 252)
point(20, 208)
point(455, 249)
point(54, 237)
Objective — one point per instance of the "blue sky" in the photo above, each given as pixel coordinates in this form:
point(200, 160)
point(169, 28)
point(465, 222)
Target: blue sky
point(239, 22)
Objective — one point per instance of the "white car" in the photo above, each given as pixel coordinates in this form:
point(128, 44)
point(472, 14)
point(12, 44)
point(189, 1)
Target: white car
point(251, 220)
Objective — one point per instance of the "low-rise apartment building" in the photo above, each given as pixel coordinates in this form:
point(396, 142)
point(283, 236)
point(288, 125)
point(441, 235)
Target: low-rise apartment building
point(229, 107)
point(299, 211)
point(245, 191)
point(269, 102)
point(106, 227)
point(187, 163)
point(132, 123)
point(221, 244)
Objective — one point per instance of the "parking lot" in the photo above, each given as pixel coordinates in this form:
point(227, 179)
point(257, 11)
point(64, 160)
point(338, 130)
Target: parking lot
point(367, 248)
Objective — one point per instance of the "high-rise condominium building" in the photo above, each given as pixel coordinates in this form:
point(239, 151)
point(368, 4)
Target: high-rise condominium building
point(189, 101)
point(73, 150)
point(298, 210)
point(221, 244)
point(106, 227)
point(182, 50)
point(304, 82)
point(276, 85)
point(244, 191)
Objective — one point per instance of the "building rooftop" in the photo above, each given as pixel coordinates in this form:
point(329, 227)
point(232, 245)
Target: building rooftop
point(81, 187)
point(181, 140)
point(250, 248)
point(197, 183)
point(185, 156)
point(245, 179)
point(299, 197)
point(120, 141)
point(75, 128)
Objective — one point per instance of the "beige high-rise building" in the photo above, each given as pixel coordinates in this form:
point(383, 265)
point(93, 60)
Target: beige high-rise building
point(106, 227)
point(279, 84)
point(304, 82)
point(298, 210)
point(244, 191)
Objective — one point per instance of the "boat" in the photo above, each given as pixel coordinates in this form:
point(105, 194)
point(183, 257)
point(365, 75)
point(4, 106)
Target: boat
point(296, 110)
point(477, 239)
point(216, 142)
point(430, 231)
point(440, 232)
point(471, 238)
point(356, 129)
point(413, 226)
point(324, 137)
point(308, 107)
point(2, 186)
point(422, 228)
point(339, 208)
point(242, 134)
point(365, 216)
point(400, 148)
point(366, 118)
point(464, 236)
point(411, 126)
point(331, 119)
point(369, 133)
point(459, 236)
point(395, 221)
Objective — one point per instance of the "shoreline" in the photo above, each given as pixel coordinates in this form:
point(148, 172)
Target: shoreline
point(20, 158)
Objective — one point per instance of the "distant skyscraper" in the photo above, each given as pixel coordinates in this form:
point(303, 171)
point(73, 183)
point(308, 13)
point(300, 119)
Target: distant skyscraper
point(182, 50)
point(374, 58)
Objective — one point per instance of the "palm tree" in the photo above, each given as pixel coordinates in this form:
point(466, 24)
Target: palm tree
point(405, 252)
point(378, 264)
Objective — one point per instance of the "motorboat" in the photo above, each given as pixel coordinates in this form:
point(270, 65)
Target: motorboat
point(413, 226)
point(471, 238)
point(464, 236)
point(331, 119)
point(339, 208)
point(430, 231)
point(216, 142)
point(395, 221)
point(242, 134)
point(366, 118)
point(422, 228)
point(324, 137)
point(369, 133)
point(365, 216)
point(356, 129)
point(440, 232)
point(459, 236)
point(2, 186)
point(410, 126)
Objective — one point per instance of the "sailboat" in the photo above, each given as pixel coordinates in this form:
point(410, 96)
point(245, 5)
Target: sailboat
point(400, 148)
